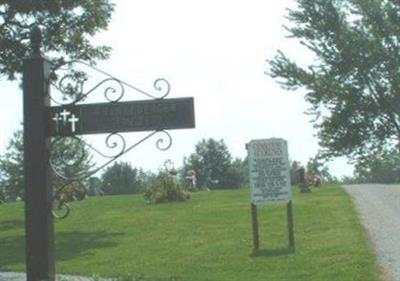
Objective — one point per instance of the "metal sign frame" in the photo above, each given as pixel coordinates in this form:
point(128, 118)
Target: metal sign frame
point(45, 125)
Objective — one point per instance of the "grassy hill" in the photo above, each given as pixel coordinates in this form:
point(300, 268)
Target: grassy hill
point(207, 238)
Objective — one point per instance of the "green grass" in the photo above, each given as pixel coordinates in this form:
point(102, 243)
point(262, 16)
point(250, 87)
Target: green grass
point(207, 238)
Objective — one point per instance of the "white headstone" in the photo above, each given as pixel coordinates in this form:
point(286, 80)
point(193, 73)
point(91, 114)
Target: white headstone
point(269, 171)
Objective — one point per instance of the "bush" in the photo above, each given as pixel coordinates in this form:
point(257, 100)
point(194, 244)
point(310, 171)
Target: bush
point(165, 189)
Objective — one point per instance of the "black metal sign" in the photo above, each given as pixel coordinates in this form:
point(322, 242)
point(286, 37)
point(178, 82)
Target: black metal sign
point(134, 116)
point(42, 122)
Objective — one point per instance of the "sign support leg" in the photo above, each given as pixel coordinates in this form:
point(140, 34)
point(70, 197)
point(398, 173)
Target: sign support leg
point(38, 190)
point(256, 238)
point(289, 208)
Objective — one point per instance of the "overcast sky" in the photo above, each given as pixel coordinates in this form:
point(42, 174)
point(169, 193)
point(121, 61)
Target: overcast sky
point(214, 51)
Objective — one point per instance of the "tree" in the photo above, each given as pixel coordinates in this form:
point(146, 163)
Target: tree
point(68, 159)
point(66, 25)
point(238, 173)
point(212, 163)
point(379, 168)
point(121, 178)
point(353, 85)
point(12, 168)
point(316, 166)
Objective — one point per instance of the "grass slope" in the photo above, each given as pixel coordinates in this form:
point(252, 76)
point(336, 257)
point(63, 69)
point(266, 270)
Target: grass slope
point(208, 238)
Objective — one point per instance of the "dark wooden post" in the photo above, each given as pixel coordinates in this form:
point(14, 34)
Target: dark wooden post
point(256, 238)
point(290, 224)
point(38, 190)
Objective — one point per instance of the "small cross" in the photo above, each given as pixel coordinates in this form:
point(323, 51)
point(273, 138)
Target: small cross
point(57, 118)
point(64, 115)
point(73, 120)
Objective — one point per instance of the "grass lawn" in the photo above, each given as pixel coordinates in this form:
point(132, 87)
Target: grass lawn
point(207, 238)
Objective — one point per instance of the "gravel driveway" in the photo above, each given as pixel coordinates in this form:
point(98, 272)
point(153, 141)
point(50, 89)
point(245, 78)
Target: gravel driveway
point(379, 209)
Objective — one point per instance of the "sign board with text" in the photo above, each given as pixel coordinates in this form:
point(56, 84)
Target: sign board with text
point(134, 116)
point(269, 171)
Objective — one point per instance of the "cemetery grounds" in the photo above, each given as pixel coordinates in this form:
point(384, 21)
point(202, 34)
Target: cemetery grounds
point(206, 238)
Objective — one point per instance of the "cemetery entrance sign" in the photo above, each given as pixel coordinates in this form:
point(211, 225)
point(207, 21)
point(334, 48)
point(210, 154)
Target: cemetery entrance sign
point(269, 174)
point(130, 116)
point(45, 125)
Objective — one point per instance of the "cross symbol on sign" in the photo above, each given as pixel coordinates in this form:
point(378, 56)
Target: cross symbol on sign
point(73, 120)
point(64, 115)
point(57, 118)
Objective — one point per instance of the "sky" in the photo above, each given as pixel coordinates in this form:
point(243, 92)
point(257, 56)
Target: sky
point(214, 51)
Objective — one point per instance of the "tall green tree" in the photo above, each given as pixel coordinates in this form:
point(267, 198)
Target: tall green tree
point(12, 168)
point(378, 168)
point(238, 173)
point(212, 163)
point(67, 26)
point(353, 81)
point(68, 158)
point(121, 178)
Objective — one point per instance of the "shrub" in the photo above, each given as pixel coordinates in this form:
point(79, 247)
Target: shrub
point(165, 189)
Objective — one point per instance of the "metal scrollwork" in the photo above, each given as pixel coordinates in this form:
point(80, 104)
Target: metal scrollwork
point(65, 163)
point(66, 156)
point(72, 84)
point(70, 79)
point(162, 86)
point(60, 211)
point(165, 141)
point(67, 192)
point(111, 90)
point(115, 142)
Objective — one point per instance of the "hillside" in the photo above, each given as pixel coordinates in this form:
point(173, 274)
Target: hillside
point(207, 238)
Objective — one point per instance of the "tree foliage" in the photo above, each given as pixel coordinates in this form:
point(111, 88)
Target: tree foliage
point(121, 178)
point(353, 85)
point(317, 166)
point(67, 26)
point(68, 158)
point(12, 168)
point(378, 168)
point(238, 173)
point(214, 167)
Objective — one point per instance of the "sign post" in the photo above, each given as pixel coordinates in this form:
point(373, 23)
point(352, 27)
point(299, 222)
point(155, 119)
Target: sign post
point(39, 231)
point(270, 181)
point(43, 121)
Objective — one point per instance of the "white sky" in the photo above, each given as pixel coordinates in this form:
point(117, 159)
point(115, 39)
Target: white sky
point(214, 51)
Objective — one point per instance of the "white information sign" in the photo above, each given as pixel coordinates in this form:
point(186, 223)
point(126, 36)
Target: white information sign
point(269, 171)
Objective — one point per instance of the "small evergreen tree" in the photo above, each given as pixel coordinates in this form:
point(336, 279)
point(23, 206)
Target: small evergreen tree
point(212, 163)
point(121, 178)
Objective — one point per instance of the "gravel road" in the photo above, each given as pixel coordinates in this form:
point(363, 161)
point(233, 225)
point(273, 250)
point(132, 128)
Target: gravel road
point(379, 209)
